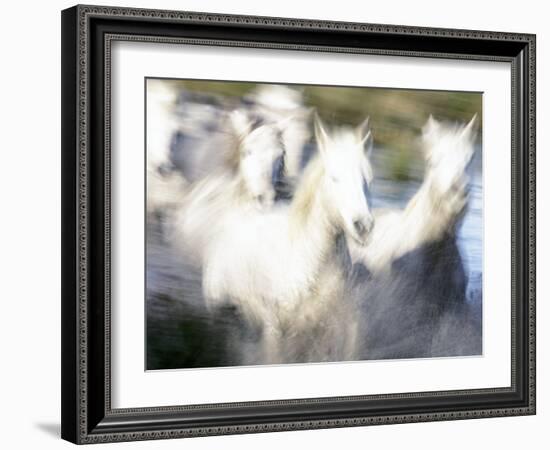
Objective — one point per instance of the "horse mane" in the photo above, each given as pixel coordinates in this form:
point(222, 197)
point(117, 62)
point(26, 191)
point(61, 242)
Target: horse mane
point(231, 150)
point(304, 197)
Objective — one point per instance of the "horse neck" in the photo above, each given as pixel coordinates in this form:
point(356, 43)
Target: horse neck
point(420, 212)
point(312, 226)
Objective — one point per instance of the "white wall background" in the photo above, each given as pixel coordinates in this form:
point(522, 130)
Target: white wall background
point(30, 223)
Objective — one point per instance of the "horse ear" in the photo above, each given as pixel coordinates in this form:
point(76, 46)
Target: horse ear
point(240, 123)
point(469, 132)
point(365, 136)
point(363, 131)
point(368, 144)
point(429, 134)
point(321, 135)
point(430, 127)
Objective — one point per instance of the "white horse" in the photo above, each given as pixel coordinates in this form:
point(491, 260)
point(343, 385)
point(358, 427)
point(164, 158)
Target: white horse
point(273, 103)
point(278, 266)
point(416, 276)
point(164, 185)
point(243, 183)
point(200, 144)
point(434, 209)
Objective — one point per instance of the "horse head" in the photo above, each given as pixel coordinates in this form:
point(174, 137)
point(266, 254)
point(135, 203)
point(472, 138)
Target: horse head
point(259, 157)
point(347, 176)
point(448, 149)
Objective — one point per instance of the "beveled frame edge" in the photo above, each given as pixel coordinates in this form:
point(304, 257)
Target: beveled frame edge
point(76, 219)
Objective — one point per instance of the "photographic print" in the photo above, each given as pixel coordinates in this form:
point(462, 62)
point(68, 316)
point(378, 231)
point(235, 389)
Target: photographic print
point(304, 224)
point(301, 201)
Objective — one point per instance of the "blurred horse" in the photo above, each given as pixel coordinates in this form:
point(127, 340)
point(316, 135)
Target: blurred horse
point(279, 268)
point(200, 144)
point(413, 273)
point(272, 103)
point(437, 206)
point(164, 185)
point(244, 182)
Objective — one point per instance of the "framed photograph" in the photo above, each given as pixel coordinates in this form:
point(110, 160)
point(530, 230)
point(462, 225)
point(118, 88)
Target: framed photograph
point(279, 224)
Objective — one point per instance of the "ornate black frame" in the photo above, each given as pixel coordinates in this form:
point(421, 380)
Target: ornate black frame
point(87, 32)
